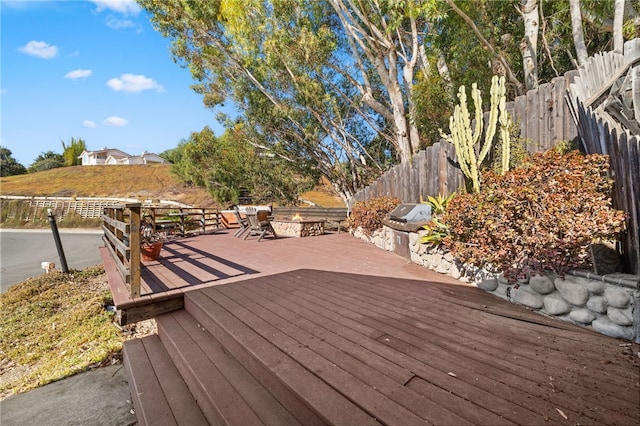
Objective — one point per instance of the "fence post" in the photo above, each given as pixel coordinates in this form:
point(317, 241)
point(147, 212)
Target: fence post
point(134, 248)
point(56, 239)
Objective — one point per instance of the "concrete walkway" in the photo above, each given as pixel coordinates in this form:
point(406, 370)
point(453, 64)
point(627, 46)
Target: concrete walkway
point(96, 398)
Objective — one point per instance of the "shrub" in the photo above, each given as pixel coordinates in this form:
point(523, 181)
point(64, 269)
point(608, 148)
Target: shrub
point(538, 217)
point(436, 229)
point(369, 214)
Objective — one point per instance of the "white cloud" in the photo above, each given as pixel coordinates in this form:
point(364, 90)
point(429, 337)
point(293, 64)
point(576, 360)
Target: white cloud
point(117, 24)
point(75, 74)
point(89, 124)
point(39, 49)
point(114, 121)
point(131, 83)
point(126, 7)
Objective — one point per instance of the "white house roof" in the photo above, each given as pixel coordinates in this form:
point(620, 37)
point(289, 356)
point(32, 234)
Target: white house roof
point(116, 153)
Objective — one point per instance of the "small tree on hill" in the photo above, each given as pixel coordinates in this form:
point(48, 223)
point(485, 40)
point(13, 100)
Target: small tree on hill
point(8, 165)
point(71, 153)
point(46, 161)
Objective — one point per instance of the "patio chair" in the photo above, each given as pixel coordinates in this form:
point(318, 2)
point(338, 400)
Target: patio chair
point(242, 222)
point(257, 226)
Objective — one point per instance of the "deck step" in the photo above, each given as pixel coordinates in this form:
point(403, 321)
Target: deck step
point(305, 396)
point(160, 395)
point(226, 392)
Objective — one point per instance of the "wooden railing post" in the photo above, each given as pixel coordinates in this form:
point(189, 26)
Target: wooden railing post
point(134, 248)
point(118, 214)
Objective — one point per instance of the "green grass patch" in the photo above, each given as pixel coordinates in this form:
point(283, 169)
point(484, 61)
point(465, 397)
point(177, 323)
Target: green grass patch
point(54, 326)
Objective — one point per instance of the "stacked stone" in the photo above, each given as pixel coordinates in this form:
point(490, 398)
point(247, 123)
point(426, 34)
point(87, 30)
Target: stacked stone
point(606, 307)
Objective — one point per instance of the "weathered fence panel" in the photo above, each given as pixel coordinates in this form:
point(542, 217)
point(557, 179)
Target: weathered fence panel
point(431, 172)
point(556, 111)
point(599, 136)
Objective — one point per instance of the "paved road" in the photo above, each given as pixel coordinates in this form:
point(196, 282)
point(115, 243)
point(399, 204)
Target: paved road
point(22, 251)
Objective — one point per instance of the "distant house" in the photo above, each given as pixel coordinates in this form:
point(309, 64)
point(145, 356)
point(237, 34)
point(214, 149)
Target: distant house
point(111, 156)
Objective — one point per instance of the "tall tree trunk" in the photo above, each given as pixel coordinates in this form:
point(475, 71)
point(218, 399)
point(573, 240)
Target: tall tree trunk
point(529, 43)
point(578, 35)
point(618, 19)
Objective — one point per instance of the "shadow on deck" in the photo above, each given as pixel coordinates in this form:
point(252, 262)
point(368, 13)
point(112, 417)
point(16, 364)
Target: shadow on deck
point(206, 260)
point(331, 330)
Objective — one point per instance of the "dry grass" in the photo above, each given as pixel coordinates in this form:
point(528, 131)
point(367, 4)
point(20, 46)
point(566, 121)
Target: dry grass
point(323, 195)
point(135, 181)
point(54, 326)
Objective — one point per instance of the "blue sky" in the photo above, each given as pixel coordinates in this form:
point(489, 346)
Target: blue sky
point(95, 70)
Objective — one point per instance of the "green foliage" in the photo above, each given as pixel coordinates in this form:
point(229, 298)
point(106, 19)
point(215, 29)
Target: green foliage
point(46, 161)
point(540, 216)
point(369, 214)
point(436, 229)
point(433, 102)
point(563, 147)
point(516, 152)
point(224, 165)
point(500, 23)
point(438, 204)
point(71, 153)
point(8, 165)
point(465, 138)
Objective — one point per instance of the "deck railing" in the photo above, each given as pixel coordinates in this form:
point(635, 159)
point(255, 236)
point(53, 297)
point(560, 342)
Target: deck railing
point(121, 235)
point(121, 232)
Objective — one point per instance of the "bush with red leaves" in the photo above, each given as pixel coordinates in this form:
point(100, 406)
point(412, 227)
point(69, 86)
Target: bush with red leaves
point(540, 216)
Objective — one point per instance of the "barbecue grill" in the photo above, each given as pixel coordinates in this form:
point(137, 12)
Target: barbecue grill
point(404, 219)
point(409, 217)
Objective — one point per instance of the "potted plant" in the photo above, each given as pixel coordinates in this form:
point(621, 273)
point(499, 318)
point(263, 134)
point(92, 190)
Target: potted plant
point(150, 242)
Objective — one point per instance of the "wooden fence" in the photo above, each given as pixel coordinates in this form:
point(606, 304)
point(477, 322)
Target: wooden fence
point(556, 111)
point(432, 171)
point(543, 117)
point(602, 133)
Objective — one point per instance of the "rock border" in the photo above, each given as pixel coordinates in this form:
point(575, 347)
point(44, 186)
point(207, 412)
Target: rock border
point(609, 306)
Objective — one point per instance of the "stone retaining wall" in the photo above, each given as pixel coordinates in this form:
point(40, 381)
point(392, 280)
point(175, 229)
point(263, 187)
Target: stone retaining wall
point(604, 306)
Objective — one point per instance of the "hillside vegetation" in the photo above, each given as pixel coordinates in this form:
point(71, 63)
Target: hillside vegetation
point(135, 181)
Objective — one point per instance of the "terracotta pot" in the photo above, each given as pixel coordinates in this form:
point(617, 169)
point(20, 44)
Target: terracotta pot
point(151, 251)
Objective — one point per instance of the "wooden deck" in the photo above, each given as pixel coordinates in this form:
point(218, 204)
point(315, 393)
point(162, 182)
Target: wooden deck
point(213, 259)
point(332, 330)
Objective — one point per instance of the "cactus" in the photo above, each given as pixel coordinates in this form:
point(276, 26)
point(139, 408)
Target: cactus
point(465, 139)
point(505, 136)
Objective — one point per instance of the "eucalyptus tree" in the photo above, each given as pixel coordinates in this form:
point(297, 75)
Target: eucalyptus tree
point(279, 62)
point(387, 43)
point(529, 43)
point(577, 32)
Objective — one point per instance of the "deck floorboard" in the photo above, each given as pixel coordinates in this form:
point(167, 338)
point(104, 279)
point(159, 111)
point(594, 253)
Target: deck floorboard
point(364, 337)
point(342, 333)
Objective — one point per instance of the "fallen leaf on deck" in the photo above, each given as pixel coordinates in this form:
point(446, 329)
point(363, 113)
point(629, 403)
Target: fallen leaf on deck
point(561, 413)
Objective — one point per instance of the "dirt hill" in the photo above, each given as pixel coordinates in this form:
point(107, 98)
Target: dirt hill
point(135, 181)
